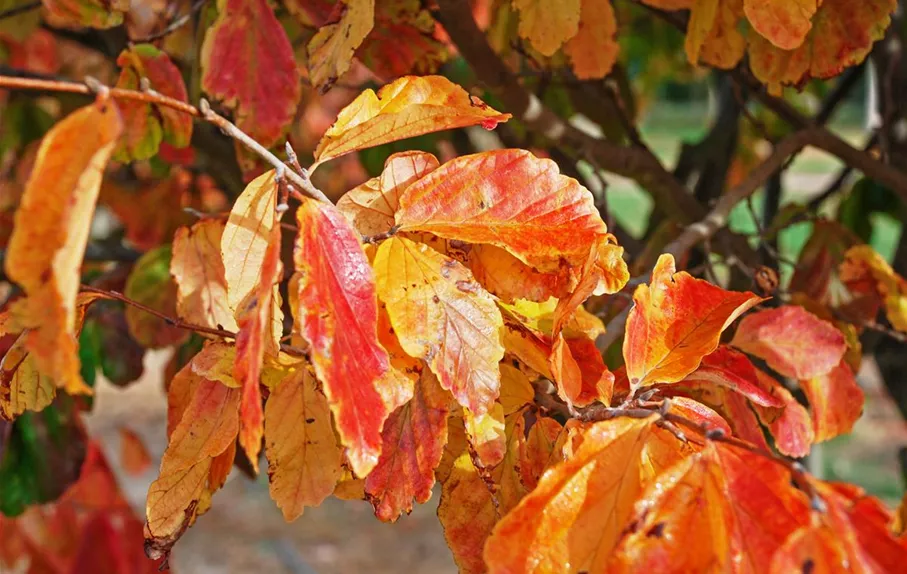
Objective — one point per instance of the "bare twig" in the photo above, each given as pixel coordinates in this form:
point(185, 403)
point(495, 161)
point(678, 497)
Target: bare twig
point(175, 25)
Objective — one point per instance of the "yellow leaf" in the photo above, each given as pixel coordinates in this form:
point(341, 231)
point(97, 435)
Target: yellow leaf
point(22, 387)
point(546, 24)
point(198, 269)
point(303, 454)
point(331, 50)
point(486, 435)
point(50, 232)
point(440, 314)
point(407, 107)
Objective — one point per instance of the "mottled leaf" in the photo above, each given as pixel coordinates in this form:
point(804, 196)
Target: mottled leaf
point(407, 107)
point(198, 269)
point(835, 402)
point(331, 50)
point(442, 315)
point(863, 265)
point(486, 436)
point(784, 23)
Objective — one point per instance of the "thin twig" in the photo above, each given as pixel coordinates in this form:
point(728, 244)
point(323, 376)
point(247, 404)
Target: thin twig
point(175, 25)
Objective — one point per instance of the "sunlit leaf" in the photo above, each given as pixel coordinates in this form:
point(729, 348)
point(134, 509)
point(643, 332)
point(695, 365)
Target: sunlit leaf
point(723, 509)
point(863, 264)
point(247, 62)
point(510, 279)
point(370, 207)
point(835, 402)
point(413, 441)
point(675, 322)
point(593, 50)
point(198, 269)
point(407, 107)
point(732, 369)
point(331, 50)
point(785, 23)
point(790, 425)
point(303, 454)
point(50, 233)
point(442, 315)
point(339, 317)
point(486, 436)
point(483, 198)
point(577, 513)
point(147, 125)
point(792, 341)
point(548, 25)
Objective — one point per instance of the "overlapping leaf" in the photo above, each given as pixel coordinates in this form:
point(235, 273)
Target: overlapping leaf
point(331, 50)
point(338, 317)
point(407, 107)
point(723, 509)
point(413, 441)
point(198, 269)
point(548, 25)
point(593, 50)
point(442, 315)
point(863, 266)
point(247, 61)
point(483, 198)
point(22, 386)
point(835, 401)
point(675, 322)
point(303, 454)
point(50, 233)
point(793, 341)
point(147, 125)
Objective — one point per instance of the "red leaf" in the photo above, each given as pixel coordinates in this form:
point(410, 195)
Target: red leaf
point(339, 318)
point(792, 341)
point(836, 402)
point(248, 62)
point(732, 369)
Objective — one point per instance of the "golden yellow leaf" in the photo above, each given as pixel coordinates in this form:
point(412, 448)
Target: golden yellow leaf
point(547, 25)
point(331, 50)
point(594, 49)
point(198, 269)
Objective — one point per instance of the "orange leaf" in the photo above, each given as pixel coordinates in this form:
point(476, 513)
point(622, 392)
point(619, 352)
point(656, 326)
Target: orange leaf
point(443, 316)
point(576, 514)
point(339, 317)
point(539, 450)
point(548, 25)
point(733, 370)
point(370, 207)
point(331, 50)
point(50, 232)
point(722, 44)
point(594, 49)
point(467, 513)
point(723, 510)
point(412, 444)
point(303, 454)
point(484, 198)
point(793, 341)
point(842, 35)
point(247, 61)
point(510, 279)
point(208, 427)
point(516, 390)
point(580, 372)
point(133, 454)
point(407, 107)
point(851, 535)
point(863, 265)
point(790, 425)
point(785, 23)
point(198, 269)
point(835, 401)
point(675, 322)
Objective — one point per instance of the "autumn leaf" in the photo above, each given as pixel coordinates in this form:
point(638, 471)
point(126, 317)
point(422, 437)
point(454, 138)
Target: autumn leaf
point(467, 514)
point(580, 372)
point(87, 13)
point(198, 269)
point(134, 456)
point(790, 425)
point(150, 284)
point(338, 317)
point(785, 23)
point(793, 341)
point(331, 50)
point(303, 454)
point(516, 390)
point(577, 513)
point(486, 435)
point(548, 25)
point(403, 41)
point(842, 34)
point(721, 44)
point(247, 62)
point(731, 369)
point(413, 441)
point(675, 322)
point(440, 314)
point(22, 386)
point(510, 279)
point(594, 49)
point(723, 509)
point(50, 233)
point(407, 107)
point(147, 125)
point(835, 402)
point(863, 264)
point(208, 427)
point(483, 198)
point(370, 207)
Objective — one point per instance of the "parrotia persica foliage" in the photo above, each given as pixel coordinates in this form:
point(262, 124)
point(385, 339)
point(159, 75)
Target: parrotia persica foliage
point(431, 326)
